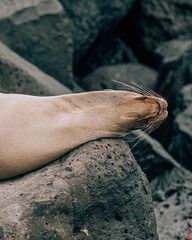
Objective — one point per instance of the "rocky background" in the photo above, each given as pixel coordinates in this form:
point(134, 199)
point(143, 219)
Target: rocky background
point(52, 47)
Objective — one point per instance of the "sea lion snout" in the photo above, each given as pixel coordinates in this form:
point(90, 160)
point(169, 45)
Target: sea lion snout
point(155, 108)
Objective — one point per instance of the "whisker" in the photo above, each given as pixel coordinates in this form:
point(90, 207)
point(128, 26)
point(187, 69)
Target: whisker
point(138, 141)
point(139, 89)
point(151, 92)
point(147, 91)
point(129, 86)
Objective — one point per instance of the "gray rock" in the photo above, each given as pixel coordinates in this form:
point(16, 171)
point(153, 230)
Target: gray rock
point(175, 72)
point(95, 192)
point(173, 50)
point(183, 100)
point(175, 64)
point(90, 18)
point(125, 73)
point(39, 31)
point(106, 50)
point(19, 76)
point(173, 212)
point(162, 20)
point(181, 142)
point(150, 154)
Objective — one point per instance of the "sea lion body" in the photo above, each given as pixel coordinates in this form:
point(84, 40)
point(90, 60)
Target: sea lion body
point(36, 130)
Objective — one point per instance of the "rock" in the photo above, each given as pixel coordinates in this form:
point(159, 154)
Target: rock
point(125, 73)
point(175, 72)
point(173, 212)
point(158, 21)
point(91, 18)
point(175, 66)
point(181, 142)
point(150, 155)
point(183, 100)
point(19, 76)
point(95, 192)
point(39, 31)
point(106, 50)
point(173, 50)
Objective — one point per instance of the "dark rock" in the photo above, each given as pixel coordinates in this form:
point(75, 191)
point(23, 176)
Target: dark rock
point(40, 32)
point(91, 18)
point(19, 76)
point(183, 100)
point(173, 212)
point(158, 21)
point(150, 155)
point(106, 50)
point(175, 72)
point(125, 73)
point(181, 142)
point(175, 66)
point(95, 192)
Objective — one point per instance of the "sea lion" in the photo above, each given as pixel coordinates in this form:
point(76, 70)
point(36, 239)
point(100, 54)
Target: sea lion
point(37, 130)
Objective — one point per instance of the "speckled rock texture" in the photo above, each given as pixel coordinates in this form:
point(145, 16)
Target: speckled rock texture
point(19, 76)
point(95, 192)
point(39, 30)
point(125, 73)
point(173, 200)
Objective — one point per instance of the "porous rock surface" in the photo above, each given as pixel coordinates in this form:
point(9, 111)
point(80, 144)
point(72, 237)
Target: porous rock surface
point(125, 73)
point(95, 192)
point(39, 30)
point(20, 76)
point(173, 200)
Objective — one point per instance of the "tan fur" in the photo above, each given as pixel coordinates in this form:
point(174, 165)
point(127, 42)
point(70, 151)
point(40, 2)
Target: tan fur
point(36, 130)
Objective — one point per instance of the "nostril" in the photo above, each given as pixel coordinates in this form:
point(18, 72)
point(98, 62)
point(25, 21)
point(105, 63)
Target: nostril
point(142, 98)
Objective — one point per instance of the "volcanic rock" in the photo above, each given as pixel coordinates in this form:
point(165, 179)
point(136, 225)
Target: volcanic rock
point(19, 76)
point(95, 192)
point(39, 31)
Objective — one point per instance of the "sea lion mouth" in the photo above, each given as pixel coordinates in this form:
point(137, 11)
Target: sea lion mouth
point(159, 110)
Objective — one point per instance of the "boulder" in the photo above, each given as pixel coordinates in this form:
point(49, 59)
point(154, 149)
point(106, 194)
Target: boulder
point(39, 31)
point(181, 142)
point(91, 18)
point(173, 50)
point(175, 66)
point(158, 21)
point(125, 73)
point(19, 76)
point(173, 201)
point(96, 192)
point(175, 71)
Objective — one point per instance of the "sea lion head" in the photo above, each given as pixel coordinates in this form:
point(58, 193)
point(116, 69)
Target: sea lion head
point(143, 109)
point(148, 110)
